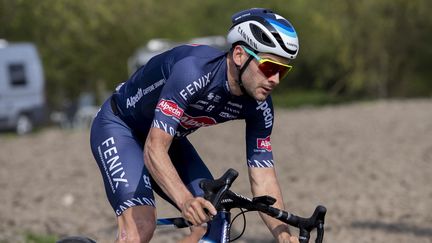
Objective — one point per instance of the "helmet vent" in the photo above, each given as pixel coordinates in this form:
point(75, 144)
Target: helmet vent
point(260, 36)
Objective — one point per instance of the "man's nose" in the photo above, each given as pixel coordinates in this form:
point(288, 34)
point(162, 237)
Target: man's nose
point(274, 79)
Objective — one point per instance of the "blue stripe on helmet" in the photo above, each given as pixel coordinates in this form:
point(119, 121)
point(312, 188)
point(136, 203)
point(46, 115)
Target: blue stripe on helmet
point(285, 29)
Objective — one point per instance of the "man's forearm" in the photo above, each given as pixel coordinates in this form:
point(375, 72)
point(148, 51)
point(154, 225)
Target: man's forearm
point(159, 165)
point(264, 182)
point(165, 175)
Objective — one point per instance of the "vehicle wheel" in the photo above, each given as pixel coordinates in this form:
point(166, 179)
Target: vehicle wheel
point(24, 125)
point(76, 239)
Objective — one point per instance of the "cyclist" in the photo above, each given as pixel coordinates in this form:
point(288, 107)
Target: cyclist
point(138, 137)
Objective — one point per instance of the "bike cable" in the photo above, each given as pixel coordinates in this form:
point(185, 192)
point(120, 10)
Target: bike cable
point(244, 224)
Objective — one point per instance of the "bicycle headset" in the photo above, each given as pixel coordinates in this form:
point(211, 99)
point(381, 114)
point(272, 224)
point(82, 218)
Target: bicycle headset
point(262, 30)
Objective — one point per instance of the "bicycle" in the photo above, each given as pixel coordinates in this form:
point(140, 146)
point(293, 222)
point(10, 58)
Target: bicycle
point(218, 230)
point(218, 193)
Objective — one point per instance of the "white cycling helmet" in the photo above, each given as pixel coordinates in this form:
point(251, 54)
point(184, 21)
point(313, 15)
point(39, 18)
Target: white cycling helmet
point(264, 31)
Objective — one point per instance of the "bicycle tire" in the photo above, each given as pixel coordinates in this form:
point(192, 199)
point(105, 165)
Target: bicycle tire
point(75, 239)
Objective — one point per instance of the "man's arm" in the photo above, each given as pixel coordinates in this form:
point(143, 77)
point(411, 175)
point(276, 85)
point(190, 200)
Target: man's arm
point(159, 164)
point(264, 182)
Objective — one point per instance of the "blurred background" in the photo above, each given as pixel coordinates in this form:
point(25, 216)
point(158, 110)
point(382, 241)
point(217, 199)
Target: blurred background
point(349, 50)
point(352, 130)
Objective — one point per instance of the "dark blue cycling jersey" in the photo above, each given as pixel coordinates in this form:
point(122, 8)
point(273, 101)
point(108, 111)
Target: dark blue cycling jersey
point(186, 88)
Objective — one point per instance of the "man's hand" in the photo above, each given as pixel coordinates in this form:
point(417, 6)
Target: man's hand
point(193, 210)
point(291, 239)
point(285, 237)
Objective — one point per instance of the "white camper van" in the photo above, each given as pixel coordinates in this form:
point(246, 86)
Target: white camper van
point(22, 102)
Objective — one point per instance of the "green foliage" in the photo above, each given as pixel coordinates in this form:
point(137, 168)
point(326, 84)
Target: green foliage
point(36, 238)
point(366, 47)
point(347, 48)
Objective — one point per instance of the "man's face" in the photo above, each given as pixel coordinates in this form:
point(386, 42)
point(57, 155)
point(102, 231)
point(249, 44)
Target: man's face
point(258, 85)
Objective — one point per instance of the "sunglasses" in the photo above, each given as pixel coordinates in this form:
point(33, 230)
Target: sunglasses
point(269, 67)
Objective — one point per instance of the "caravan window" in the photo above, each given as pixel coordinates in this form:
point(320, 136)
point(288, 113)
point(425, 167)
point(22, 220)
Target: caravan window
point(17, 74)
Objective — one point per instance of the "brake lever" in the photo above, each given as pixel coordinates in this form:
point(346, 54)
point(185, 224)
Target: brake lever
point(304, 235)
point(215, 189)
point(320, 233)
point(316, 221)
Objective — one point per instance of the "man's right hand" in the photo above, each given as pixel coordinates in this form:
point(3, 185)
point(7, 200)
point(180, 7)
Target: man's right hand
point(193, 210)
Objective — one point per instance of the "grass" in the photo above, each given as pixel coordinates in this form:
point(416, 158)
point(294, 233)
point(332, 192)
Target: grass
point(37, 238)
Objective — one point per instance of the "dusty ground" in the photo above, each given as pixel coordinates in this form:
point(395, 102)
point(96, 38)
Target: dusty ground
point(370, 164)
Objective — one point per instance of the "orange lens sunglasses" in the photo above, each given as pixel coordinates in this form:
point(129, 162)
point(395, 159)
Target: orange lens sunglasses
point(269, 67)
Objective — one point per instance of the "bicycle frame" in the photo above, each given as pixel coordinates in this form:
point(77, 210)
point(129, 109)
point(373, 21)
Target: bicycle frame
point(218, 230)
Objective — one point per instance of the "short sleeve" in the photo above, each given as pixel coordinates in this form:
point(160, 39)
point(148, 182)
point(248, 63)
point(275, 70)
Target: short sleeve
point(185, 81)
point(259, 125)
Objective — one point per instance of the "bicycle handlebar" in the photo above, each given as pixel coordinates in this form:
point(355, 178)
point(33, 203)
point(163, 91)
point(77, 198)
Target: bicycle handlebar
point(305, 225)
point(218, 193)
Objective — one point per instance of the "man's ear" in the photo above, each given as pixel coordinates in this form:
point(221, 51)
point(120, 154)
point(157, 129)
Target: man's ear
point(238, 54)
